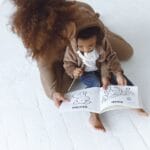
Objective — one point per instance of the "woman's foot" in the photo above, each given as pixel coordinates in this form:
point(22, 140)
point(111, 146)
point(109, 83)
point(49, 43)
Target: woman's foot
point(96, 122)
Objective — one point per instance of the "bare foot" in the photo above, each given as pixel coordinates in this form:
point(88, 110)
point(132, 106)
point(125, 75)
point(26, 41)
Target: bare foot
point(96, 122)
point(142, 112)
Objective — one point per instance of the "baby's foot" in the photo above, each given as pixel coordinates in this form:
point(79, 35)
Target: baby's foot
point(96, 122)
point(142, 112)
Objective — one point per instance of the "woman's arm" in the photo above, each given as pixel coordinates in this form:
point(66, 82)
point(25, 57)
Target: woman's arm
point(47, 76)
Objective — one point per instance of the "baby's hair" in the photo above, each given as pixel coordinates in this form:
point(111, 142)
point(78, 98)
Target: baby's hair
point(90, 32)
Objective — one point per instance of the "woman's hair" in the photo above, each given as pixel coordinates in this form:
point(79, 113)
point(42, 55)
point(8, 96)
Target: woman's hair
point(40, 23)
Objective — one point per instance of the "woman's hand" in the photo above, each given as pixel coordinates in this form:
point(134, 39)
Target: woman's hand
point(58, 98)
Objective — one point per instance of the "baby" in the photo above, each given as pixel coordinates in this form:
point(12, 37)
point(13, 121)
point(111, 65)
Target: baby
point(95, 66)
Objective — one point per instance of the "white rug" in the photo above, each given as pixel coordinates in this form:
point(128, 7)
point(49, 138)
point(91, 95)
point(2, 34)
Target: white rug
point(29, 120)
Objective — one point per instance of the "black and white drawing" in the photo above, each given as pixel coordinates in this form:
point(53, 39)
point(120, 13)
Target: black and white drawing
point(80, 98)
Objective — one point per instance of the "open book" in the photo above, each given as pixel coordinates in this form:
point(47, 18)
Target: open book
point(98, 100)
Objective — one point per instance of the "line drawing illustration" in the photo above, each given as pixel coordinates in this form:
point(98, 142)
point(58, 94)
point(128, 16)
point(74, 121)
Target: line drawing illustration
point(81, 99)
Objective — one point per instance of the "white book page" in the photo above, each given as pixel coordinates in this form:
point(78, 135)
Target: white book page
point(82, 100)
point(118, 97)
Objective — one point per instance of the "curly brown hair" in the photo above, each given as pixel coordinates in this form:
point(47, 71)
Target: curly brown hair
point(40, 23)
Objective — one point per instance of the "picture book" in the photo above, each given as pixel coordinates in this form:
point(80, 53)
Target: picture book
point(98, 100)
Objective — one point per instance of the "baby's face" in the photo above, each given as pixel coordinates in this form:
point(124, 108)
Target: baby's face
point(86, 45)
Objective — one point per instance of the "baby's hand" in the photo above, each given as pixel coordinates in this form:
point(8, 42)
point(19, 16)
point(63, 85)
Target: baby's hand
point(105, 82)
point(77, 72)
point(121, 79)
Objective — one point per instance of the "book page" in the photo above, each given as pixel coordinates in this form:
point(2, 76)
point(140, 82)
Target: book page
point(118, 97)
point(82, 100)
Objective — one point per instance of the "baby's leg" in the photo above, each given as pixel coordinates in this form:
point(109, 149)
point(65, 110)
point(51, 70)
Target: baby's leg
point(142, 112)
point(96, 122)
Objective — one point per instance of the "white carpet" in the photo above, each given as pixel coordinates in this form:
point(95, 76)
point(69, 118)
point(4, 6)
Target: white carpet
point(29, 120)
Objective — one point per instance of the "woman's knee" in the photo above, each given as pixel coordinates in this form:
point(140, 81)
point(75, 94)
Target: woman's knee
point(123, 49)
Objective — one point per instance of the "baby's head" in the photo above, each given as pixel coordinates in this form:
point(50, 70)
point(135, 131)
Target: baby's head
point(87, 39)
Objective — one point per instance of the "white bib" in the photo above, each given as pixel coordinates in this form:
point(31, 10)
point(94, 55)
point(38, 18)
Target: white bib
point(89, 60)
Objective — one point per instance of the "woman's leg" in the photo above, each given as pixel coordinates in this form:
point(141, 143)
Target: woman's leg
point(123, 49)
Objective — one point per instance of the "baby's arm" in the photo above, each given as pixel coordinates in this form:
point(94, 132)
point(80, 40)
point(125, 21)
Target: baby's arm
point(111, 60)
point(70, 61)
point(111, 64)
point(77, 72)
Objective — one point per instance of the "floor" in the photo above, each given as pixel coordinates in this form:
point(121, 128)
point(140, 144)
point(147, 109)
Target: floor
point(30, 121)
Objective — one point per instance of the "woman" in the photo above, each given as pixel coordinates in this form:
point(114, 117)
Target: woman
point(47, 27)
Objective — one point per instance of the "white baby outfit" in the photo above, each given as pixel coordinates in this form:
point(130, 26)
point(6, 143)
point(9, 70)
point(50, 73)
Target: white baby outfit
point(89, 60)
